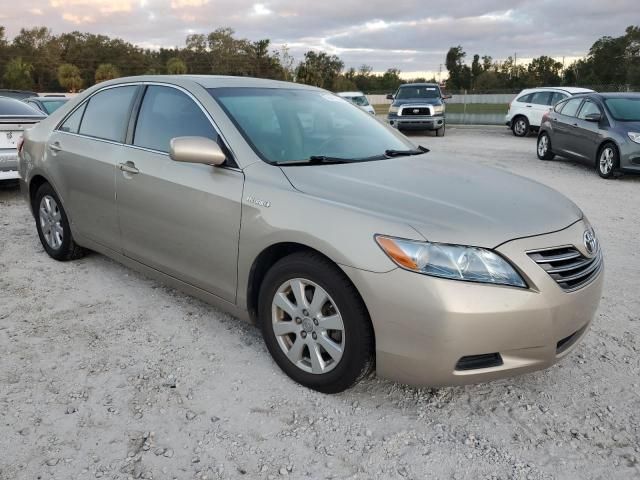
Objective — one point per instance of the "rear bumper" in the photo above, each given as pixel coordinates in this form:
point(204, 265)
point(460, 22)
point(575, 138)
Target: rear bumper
point(416, 122)
point(427, 328)
point(9, 165)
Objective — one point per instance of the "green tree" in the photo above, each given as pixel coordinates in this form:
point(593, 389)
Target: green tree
point(106, 71)
point(319, 69)
point(69, 77)
point(18, 74)
point(459, 73)
point(545, 71)
point(176, 66)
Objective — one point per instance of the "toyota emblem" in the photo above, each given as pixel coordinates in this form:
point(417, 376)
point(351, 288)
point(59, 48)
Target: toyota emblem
point(415, 110)
point(590, 242)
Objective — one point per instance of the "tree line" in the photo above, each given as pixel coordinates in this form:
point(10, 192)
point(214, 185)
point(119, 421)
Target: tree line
point(37, 59)
point(611, 62)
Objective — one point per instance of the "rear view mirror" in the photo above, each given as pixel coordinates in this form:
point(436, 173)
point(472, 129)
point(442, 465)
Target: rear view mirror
point(390, 96)
point(196, 150)
point(593, 117)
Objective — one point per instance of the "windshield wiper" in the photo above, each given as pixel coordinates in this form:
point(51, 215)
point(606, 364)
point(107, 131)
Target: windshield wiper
point(403, 153)
point(317, 160)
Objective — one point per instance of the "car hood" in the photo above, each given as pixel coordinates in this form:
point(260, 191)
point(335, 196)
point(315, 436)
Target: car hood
point(446, 200)
point(416, 101)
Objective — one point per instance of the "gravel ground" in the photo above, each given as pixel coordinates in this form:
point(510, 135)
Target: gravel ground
point(106, 373)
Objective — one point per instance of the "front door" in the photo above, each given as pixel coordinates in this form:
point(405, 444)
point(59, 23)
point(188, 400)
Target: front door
point(182, 219)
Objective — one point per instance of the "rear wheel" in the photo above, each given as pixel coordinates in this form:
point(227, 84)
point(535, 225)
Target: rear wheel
point(544, 147)
point(53, 226)
point(608, 160)
point(315, 324)
point(520, 126)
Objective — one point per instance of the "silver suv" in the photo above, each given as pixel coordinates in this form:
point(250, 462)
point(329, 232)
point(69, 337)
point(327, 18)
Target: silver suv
point(292, 208)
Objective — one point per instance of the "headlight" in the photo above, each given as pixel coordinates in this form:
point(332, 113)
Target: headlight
point(634, 136)
point(438, 109)
point(393, 110)
point(456, 262)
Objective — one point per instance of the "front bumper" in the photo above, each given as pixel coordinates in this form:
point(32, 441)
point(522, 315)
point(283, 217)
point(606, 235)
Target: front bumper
point(416, 122)
point(424, 325)
point(9, 165)
point(630, 156)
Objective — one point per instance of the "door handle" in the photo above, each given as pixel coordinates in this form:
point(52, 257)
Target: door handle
point(55, 146)
point(128, 167)
point(575, 124)
point(528, 106)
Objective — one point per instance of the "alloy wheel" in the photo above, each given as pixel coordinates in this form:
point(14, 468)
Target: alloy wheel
point(520, 127)
point(308, 326)
point(51, 222)
point(606, 160)
point(543, 145)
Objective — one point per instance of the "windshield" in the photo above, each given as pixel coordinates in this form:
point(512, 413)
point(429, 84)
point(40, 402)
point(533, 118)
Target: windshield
point(292, 125)
point(52, 105)
point(418, 92)
point(624, 109)
point(361, 100)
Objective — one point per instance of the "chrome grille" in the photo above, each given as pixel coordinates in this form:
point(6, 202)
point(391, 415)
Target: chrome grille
point(568, 266)
point(409, 111)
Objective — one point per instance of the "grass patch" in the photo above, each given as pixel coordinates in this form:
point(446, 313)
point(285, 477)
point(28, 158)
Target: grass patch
point(459, 108)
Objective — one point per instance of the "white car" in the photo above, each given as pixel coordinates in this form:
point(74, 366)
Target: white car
point(525, 112)
point(359, 99)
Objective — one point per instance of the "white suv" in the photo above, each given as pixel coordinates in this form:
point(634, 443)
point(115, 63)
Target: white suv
point(525, 112)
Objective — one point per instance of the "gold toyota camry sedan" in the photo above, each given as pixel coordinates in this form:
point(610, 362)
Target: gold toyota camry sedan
point(349, 246)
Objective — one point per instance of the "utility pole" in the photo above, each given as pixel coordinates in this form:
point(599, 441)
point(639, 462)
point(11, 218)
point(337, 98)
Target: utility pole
point(440, 74)
point(515, 63)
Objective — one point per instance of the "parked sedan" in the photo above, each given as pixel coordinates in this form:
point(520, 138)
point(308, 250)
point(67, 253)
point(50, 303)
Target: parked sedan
point(15, 117)
point(46, 105)
point(601, 128)
point(347, 244)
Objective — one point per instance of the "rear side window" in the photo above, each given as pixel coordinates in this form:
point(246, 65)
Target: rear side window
point(72, 123)
point(571, 107)
point(558, 108)
point(557, 97)
point(540, 98)
point(167, 113)
point(107, 113)
point(525, 98)
point(587, 108)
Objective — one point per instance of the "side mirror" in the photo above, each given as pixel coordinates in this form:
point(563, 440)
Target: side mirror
point(390, 96)
point(447, 97)
point(593, 117)
point(196, 150)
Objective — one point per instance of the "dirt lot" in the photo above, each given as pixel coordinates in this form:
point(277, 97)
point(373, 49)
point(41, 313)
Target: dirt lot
point(105, 373)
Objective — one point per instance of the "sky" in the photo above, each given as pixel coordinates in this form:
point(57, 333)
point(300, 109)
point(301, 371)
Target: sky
point(412, 35)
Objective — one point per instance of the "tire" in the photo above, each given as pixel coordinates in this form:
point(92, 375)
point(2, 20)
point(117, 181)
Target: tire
point(53, 226)
point(520, 126)
point(543, 147)
point(298, 328)
point(608, 160)
point(440, 131)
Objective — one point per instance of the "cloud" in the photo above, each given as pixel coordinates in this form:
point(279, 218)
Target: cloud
point(412, 35)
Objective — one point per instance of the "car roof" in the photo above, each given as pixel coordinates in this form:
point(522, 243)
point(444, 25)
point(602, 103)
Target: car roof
point(212, 81)
point(420, 84)
point(570, 90)
point(47, 99)
point(606, 95)
point(350, 94)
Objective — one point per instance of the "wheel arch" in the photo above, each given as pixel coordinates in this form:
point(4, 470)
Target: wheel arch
point(34, 184)
point(601, 146)
point(266, 259)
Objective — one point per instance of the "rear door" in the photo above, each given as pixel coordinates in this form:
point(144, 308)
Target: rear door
point(180, 218)
point(538, 105)
point(86, 147)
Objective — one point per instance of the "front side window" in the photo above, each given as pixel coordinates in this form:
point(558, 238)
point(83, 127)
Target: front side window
point(588, 108)
point(292, 125)
point(167, 113)
point(418, 92)
point(72, 123)
point(571, 107)
point(107, 113)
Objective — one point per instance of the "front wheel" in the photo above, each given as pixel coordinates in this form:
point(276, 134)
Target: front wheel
point(544, 147)
point(315, 324)
point(608, 160)
point(53, 226)
point(440, 131)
